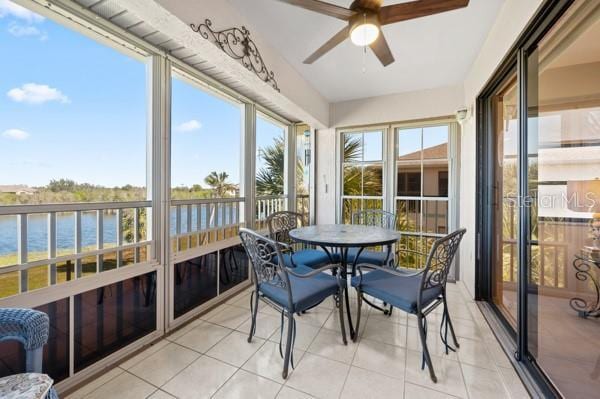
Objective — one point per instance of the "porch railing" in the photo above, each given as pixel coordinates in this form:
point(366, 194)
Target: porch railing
point(54, 243)
point(199, 222)
point(265, 206)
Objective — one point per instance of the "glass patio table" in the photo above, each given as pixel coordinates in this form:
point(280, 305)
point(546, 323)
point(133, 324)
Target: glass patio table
point(342, 237)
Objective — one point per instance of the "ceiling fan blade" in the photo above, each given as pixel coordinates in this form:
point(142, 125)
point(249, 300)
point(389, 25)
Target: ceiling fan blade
point(417, 9)
point(382, 50)
point(322, 7)
point(368, 4)
point(331, 43)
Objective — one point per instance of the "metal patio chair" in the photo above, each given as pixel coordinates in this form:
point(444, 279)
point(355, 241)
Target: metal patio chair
point(288, 290)
point(372, 217)
point(280, 224)
point(30, 328)
point(418, 293)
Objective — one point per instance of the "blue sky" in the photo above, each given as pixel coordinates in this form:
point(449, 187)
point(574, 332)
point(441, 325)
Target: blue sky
point(73, 108)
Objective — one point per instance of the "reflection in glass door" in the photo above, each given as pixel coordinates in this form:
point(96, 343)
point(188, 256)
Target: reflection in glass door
point(504, 250)
point(563, 127)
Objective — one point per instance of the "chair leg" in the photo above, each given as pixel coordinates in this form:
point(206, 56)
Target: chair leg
point(288, 347)
point(254, 311)
point(449, 321)
point(422, 324)
point(341, 313)
point(359, 305)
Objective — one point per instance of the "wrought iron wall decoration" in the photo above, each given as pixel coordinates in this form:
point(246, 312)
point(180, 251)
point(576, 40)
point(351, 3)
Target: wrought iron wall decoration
point(236, 43)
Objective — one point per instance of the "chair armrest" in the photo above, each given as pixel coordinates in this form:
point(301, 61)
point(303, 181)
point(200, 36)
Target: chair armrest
point(411, 251)
point(311, 273)
point(28, 326)
point(389, 270)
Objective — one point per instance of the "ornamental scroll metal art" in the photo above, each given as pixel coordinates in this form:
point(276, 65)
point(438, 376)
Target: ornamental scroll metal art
point(236, 43)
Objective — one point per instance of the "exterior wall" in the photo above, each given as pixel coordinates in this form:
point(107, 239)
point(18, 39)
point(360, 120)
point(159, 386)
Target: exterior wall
point(325, 176)
point(512, 19)
point(407, 106)
point(425, 104)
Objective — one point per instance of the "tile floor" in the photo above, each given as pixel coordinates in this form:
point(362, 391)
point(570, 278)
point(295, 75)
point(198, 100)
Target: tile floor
point(210, 357)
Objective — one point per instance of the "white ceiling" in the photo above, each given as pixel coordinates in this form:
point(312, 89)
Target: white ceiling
point(433, 51)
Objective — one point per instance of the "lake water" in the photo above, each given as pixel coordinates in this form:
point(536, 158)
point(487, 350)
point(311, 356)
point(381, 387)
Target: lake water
point(37, 229)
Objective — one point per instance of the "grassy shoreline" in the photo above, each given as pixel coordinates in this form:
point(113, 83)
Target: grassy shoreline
point(38, 277)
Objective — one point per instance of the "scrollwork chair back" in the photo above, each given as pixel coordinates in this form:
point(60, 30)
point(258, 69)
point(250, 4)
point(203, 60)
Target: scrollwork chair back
point(266, 260)
point(440, 260)
point(375, 217)
point(281, 223)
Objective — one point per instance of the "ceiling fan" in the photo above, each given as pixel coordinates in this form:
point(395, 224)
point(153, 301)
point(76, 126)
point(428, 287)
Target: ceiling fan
point(365, 19)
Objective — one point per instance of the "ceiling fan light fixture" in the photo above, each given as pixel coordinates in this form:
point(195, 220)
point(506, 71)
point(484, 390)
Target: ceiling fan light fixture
point(364, 34)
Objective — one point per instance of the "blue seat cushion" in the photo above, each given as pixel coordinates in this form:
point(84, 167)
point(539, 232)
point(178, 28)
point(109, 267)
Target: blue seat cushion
point(370, 257)
point(308, 257)
point(306, 292)
point(398, 291)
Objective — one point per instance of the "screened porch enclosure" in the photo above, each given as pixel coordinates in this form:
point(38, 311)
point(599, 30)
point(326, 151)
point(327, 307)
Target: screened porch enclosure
point(115, 268)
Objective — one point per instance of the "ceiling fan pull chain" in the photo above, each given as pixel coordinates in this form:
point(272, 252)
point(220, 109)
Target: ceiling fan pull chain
point(364, 60)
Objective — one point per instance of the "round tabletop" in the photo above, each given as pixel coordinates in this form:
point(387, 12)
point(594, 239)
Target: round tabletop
point(344, 235)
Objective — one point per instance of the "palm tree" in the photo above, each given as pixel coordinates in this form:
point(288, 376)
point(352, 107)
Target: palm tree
point(218, 183)
point(269, 179)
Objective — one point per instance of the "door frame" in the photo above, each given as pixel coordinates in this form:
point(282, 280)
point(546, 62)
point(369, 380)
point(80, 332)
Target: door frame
point(516, 59)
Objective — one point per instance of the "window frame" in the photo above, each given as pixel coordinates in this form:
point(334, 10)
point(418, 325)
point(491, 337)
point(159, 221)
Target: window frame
point(341, 163)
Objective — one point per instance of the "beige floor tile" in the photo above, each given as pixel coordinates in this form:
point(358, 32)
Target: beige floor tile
point(498, 354)
point(448, 372)
point(289, 393)
point(329, 344)
point(124, 386)
point(268, 363)
point(412, 391)
point(201, 379)
point(132, 361)
point(164, 364)
point(434, 343)
point(267, 309)
point(266, 325)
point(333, 321)
point(317, 316)
point(203, 337)
point(305, 334)
point(475, 353)
point(513, 383)
point(319, 377)
point(363, 383)
point(183, 330)
point(229, 316)
point(386, 332)
point(483, 383)
point(103, 379)
point(158, 394)
point(379, 357)
point(467, 329)
point(397, 316)
point(247, 385)
point(235, 348)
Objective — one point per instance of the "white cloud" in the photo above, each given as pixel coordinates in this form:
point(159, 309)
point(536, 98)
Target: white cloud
point(9, 8)
point(25, 31)
point(33, 93)
point(188, 126)
point(15, 134)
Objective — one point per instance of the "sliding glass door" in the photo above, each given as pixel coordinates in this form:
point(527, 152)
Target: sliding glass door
point(540, 195)
point(505, 210)
point(563, 177)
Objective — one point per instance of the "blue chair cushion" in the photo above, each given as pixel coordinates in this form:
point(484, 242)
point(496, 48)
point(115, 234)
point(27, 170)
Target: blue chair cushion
point(306, 292)
point(399, 291)
point(308, 257)
point(370, 257)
